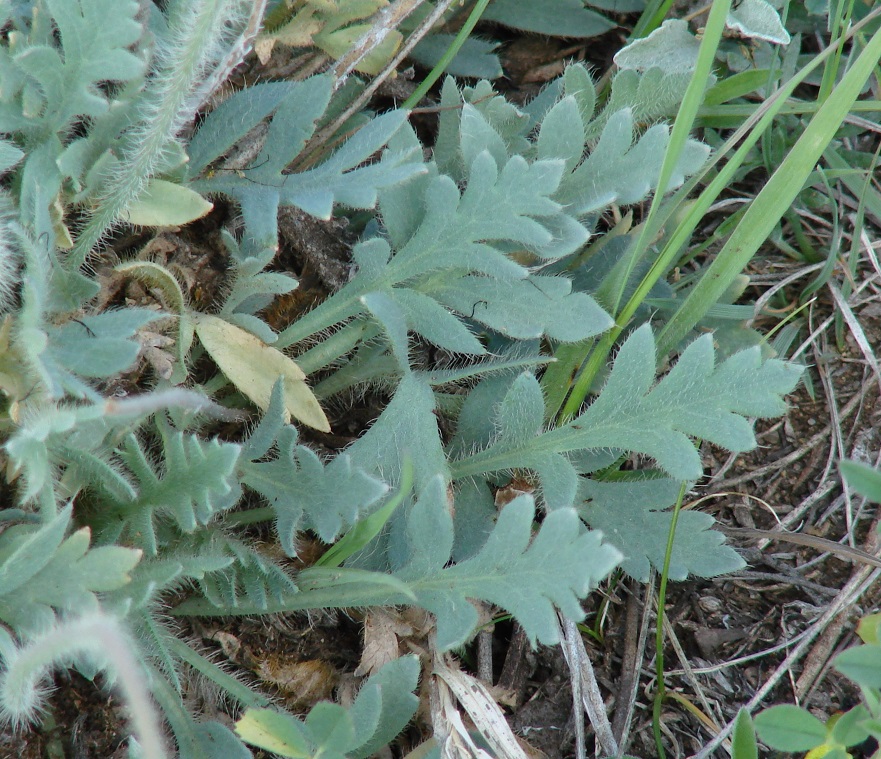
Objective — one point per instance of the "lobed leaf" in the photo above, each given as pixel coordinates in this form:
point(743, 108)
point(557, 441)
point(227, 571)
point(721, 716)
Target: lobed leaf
point(633, 517)
point(64, 575)
point(95, 39)
point(306, 494)
point(696, 398)
point(197, 482)
point(528, 578)
point(262, 186)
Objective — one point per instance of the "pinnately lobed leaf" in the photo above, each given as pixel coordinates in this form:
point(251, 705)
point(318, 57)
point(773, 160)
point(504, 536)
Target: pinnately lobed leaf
point(526, 576)
point(696, 398)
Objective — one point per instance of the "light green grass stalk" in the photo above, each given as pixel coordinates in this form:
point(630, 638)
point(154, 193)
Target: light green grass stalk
point(773, 200)
point(681, 128)
point(757, 124)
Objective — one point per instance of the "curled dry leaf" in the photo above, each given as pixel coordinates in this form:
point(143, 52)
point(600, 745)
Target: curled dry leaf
point(254, 367)
point(153, 349)
point(304, 682)
point(381, 632)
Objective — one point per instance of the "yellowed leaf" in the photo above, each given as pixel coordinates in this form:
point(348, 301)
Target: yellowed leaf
point(166, 204)
point(273, 731)
point(263, 47)
point(254, 367)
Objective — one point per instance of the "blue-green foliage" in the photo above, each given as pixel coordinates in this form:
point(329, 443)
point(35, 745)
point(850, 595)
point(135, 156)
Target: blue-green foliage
point(303, 492)
point(45, 572)
point(262, 187)
point(474, 248)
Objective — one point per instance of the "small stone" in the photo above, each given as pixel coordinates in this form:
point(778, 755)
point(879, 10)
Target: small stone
point(710, 604)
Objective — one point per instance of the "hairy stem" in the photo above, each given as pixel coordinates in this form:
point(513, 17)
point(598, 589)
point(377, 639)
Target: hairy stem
point(196, 35)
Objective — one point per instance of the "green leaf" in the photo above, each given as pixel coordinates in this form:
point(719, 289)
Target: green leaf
point(759, 20)
point(217, 740)
point(696, 398)
point(389, 691)
point(528, 579)
point(25, 551)
point(304, 492)
point(197, 482)
point(307, 494)
point(406, 429)
point(166, 204)
point(629, 514)
point(672, 47)
point(435, 323)
point(562, 133)
point(389, 314)
point(650, 95)
point(474, 59)
point(848, 729)
point(9, 156)
point(70, 577)
point(95, 39)
point(862, 664)
point(561, 18)
point(100, 345)
point(743, 738)
point(303, 104)
point(525, 309)
point(342, 178)
point(790, 728)
point(623, 172)
point(864, 479)
point(368, 528)
point(230, 572)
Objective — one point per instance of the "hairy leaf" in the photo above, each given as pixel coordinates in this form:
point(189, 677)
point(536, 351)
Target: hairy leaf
point(197, 481)
point(528, 576)
point(263, 185)
point(456, 254)
point(696, 398)
point(633, 517)
point(304, 492)
point(408, 421)
point(621, 171)
point(97, 346)
point(95, 37)
point(249, 573)
point(557, 568)
point(63, 575)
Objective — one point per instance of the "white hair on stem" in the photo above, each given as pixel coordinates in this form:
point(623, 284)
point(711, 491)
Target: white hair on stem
point(198, 40)
point(22, 690)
